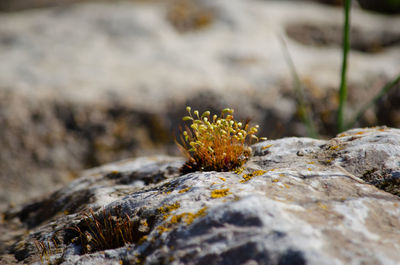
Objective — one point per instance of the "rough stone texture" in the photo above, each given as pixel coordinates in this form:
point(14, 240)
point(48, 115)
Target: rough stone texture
point(72, 99)
point(309, 205)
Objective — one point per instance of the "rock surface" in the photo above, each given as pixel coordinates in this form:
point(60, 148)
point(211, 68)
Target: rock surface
point(298, 201)
point(72, 99)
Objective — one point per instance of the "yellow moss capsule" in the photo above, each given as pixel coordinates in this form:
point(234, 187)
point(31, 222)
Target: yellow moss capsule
point(227, 110)
point(254, 137)
point(206, 113)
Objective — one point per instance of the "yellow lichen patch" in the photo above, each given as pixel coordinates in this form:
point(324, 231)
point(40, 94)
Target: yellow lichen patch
point(275, 180)
point(359, 133)
point(161, 229)
point(187, 217)
point(323, 206)
point(266, 147)
point(281, 175)
point(311, 162)
point(220, 193)
point(309, 169)
point(165, 210)
point(223, 179)
point(286, 185)
point(239, 170)
point(142, 239)
point(251, 175)
point(184, 190)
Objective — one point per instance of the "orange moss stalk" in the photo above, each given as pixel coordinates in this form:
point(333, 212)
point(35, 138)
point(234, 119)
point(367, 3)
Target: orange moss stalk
point(216, 143)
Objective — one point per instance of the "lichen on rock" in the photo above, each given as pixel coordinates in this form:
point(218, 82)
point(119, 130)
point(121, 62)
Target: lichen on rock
point(287, 206)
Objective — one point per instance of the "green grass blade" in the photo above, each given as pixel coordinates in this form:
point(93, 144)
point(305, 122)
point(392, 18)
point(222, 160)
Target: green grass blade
point(343, 81)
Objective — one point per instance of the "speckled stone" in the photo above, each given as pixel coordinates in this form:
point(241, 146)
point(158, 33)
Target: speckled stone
point(298, 201)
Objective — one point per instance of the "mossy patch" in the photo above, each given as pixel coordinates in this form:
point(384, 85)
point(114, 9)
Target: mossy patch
point(216, 143)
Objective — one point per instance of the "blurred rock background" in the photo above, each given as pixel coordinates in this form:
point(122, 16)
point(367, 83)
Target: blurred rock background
point(84, 83)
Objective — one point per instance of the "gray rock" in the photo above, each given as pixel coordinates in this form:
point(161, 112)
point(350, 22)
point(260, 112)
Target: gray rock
point(298, 201)
point(86, 84)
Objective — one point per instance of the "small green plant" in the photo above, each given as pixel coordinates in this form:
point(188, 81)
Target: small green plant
point(216, 143)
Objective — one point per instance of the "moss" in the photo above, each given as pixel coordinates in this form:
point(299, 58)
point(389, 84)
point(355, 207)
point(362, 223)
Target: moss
point(48, 248)
point(104, 231)
point(213, 143)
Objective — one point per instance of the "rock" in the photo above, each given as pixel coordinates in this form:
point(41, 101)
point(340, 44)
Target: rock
point(298, 201)
point(117, 87)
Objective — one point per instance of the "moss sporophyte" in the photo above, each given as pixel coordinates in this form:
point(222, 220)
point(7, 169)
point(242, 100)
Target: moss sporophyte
point(216, 143)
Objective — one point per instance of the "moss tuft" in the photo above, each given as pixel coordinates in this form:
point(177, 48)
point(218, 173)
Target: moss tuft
point(213, 143)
